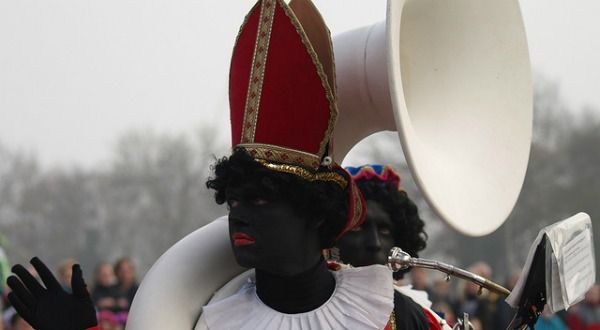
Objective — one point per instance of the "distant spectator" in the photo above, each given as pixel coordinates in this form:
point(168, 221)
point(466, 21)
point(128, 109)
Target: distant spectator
point(587, 313)
point(442, 294)
point(480, 306)
point(1, 318)
point(13, 321)
point(64, 273)
point(9, 319)
point(505, 313)
point(477, 325)
point(104, 293)
point(549, 321)
point(573, 320)
point(17, 323)
point(127, 284)
point(445, 311)
point(108, 320)
point(420, 280)
point(4, 273)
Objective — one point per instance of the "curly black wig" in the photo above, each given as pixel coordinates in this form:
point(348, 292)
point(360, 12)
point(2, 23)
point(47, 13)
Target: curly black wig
point(315, 200)
point(409, 229)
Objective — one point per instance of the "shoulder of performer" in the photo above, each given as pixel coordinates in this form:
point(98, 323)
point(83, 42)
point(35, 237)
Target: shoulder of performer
point(409, 314)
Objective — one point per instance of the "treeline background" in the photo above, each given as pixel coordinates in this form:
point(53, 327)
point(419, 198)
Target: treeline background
point(151, 193)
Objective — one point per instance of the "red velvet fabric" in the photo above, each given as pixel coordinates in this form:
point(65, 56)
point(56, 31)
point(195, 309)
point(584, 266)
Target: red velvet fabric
point(239, 73)
point(432, 320)
point(294, 110)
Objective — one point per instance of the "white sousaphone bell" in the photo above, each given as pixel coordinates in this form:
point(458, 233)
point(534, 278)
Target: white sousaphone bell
point(453, 78)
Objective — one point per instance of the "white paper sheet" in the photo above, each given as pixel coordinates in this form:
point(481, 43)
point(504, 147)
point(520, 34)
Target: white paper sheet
point(579, 272)
point(570, 263)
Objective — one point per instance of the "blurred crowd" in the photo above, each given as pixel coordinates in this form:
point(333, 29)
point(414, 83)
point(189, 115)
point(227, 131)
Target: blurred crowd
point(115, 284)
point(112, 291)
point(489, 311)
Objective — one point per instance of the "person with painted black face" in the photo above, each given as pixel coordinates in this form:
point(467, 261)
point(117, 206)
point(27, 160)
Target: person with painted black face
point(371, 242)
point(287, 200)
point(279, 223)
point(392, 219)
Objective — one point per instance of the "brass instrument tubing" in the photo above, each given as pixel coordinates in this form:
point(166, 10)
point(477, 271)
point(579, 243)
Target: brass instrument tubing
point(460, 273)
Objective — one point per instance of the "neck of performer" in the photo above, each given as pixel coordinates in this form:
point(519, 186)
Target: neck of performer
point(296, 294)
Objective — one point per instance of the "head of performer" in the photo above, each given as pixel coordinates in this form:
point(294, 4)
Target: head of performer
point(280, 222)
point(287, 200)
point(392, 219)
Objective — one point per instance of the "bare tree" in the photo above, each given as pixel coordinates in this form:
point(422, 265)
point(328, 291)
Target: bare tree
point(154, 194)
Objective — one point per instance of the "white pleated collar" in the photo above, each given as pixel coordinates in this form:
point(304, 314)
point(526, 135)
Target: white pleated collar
point(419, 296)
point(363, 299)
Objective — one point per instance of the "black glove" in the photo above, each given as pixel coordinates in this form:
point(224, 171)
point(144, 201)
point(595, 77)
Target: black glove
point(51, 308)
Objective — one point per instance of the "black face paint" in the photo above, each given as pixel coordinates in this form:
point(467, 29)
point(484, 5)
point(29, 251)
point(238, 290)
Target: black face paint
point(267, 233)
point(371, 242)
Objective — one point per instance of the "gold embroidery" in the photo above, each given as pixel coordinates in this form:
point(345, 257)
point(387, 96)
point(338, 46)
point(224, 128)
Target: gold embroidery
point(329, 92)
point(246, 18)
point(257, 70)
point(281, 154)
point(393, 321)
point(358, 207)
point(306, 174)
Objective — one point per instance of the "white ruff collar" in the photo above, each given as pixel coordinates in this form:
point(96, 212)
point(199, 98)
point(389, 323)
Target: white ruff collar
point(419, 296)
point(363, 299)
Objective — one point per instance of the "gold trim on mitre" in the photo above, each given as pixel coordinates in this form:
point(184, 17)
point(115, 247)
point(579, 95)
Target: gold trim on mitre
point(280, 154)
point(257, 70)
point(306, 174)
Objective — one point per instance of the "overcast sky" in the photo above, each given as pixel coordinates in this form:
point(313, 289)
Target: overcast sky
point(74, 74)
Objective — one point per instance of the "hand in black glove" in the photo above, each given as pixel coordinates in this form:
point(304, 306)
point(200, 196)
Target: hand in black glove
point(51, 307)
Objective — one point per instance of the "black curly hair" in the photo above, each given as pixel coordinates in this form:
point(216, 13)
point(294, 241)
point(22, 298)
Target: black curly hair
point(409, 229)
point(315, 200)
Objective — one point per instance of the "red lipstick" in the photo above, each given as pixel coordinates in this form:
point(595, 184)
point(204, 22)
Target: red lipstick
point(242, 239)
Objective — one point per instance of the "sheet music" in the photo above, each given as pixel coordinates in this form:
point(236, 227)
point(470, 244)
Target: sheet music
point(570, 264)
point(579, 272)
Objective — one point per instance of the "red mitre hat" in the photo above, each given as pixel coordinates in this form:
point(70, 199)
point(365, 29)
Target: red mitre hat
point(282, 93)
point(280, 85)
